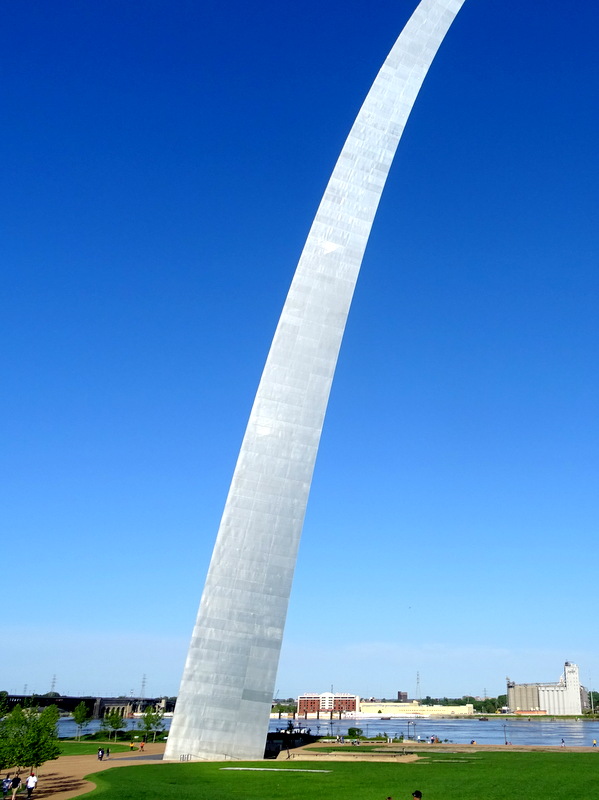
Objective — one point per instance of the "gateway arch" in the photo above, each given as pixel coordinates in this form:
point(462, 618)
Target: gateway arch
point(224, 701)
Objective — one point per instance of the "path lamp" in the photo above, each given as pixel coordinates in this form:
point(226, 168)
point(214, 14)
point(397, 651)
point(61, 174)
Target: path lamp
point(505, 733)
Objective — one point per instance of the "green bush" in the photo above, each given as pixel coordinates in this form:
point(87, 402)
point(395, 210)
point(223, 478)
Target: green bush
point(354, 733)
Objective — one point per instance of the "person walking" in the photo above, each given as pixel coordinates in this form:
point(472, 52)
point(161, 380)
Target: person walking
point(107, 753)
point(417, 794)
point(100, 754)
point(31, 783)
point(14, 785)
point(6, 785)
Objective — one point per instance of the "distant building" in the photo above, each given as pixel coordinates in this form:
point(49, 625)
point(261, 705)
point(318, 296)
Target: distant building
point(413, 709)
point(98, 706)
point(327, 702)
point(402, 697)
point(131, 706)
point(565, 697)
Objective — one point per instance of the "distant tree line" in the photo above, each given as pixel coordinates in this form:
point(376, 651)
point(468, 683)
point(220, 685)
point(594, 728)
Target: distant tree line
point(593, 704)
point(284, 707)
point(488, 705)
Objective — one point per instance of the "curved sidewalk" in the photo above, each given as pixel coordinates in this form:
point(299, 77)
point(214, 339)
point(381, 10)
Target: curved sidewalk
point(65, 777)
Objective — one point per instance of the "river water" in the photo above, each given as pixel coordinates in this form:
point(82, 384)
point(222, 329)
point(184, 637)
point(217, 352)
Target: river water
point(68, 730)
point(495, 730)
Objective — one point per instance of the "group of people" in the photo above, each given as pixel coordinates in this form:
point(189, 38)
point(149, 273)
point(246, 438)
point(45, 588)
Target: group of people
point(103, 753)
point(14, 784)
point(142, 744)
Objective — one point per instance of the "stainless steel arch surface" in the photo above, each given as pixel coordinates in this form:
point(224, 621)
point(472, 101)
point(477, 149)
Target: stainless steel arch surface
point(225, 697)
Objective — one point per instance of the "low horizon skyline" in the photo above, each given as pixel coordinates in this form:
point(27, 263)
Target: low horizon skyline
point(33, 693)
point(147, 694)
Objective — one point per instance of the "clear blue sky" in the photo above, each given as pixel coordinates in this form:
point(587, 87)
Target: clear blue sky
point(162, 163)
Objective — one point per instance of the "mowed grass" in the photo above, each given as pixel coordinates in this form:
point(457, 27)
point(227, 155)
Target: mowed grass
point(442, 776)
point(72, 748)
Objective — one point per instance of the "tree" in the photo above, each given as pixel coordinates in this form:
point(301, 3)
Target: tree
point(29, 738)
point(82, 715)
point(284, 708)
point(104, 728)
point(43, 737)
point(354, 733)
point(151, 722)
point(115, 721)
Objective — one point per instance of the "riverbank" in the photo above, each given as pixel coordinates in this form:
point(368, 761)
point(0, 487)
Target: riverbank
point(412, 751)
point(493, 730)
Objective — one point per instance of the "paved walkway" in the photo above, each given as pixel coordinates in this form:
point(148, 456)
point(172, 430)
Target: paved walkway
point(65, 777)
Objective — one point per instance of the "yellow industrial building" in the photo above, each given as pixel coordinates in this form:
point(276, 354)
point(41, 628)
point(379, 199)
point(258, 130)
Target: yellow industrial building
point(414, 707)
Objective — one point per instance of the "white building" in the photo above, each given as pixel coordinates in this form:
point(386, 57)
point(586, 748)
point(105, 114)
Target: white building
point(566, 697)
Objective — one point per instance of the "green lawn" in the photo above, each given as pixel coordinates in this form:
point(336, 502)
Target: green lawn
point(356, 750)
point(73, 748)
point(441, 776)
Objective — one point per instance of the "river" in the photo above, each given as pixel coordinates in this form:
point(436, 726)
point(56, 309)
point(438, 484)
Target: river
point(68, 730)
point(495, 730)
